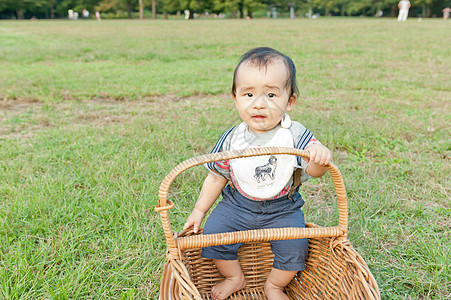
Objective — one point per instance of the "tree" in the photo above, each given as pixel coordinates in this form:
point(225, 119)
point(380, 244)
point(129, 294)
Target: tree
point(52, 12)
point(238, 5)
point(20, 7)
point(425, 5)
point(107, 6)
point(52, 8)
point(170, 6)
point(191, 5)
point(129, 5)
point(153, 5)
point(354, 7)
point(327, 5)
point(141, 10)
point(251, 6)
point(117, 5)
point(225, 5)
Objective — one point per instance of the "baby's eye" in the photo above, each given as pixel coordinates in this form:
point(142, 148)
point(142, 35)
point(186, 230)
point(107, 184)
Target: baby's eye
point(271, 95)
point(248, 95)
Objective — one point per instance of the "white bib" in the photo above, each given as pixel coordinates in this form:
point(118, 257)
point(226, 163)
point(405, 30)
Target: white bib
point(263, 177)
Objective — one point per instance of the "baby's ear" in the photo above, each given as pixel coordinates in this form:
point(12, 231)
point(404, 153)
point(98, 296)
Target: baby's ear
point(234, 100)
point(292, 101)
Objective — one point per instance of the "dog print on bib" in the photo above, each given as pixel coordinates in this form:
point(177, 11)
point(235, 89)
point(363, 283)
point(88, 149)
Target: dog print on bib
point(269, 169)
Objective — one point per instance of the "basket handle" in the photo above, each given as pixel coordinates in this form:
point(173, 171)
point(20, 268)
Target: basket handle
point(164, 204)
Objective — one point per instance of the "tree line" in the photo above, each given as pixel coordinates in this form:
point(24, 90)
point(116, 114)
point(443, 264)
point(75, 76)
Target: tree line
point(51, 9)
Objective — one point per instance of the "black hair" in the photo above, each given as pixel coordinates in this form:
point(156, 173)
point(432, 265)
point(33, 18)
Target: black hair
point(261, 57)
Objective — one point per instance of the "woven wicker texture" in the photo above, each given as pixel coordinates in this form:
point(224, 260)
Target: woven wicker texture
point(334, 269)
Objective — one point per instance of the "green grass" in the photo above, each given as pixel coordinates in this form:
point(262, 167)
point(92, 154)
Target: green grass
point(93, 116)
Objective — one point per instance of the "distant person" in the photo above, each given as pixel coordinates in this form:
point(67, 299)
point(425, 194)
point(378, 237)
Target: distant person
point(404, 6)
point(85, 14)
point(187, 13)
point(75, 15)
point(446, 12)
point(70, 14)
point(98, 16)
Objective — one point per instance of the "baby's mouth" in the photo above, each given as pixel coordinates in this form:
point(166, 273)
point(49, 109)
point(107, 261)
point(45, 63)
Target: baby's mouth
point(258, 117)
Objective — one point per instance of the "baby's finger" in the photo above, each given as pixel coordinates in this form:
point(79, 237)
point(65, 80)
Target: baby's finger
point(196, 228)
point(187, 225)
point(312, 154)
point(329, 158)
point(321, 157)
point(326, 157)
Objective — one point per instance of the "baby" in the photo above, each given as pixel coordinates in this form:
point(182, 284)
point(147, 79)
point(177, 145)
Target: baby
point(262, 190)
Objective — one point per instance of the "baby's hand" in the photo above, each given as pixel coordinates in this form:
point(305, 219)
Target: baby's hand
point(194, 220)
point(319, 154)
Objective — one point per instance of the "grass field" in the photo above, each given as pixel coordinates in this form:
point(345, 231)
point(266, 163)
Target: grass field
point(93, 115)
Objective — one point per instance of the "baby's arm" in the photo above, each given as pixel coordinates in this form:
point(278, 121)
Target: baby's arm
point(319, 157)
point(211, 189)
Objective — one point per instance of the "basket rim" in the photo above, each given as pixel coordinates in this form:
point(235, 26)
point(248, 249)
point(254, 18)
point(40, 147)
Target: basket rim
point(164, 205)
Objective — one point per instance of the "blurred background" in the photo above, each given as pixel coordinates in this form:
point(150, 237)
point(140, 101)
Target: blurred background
point(128, 9)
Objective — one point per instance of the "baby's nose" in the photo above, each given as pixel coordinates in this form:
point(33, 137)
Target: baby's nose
point(260, 102)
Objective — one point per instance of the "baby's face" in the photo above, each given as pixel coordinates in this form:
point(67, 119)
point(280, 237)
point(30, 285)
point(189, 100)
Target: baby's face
point(262, 97)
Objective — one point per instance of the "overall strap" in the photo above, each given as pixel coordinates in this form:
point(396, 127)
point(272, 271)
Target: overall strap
point(296, 181)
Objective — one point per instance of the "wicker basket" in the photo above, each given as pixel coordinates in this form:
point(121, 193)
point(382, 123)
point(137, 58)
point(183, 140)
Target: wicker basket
point(334, 269)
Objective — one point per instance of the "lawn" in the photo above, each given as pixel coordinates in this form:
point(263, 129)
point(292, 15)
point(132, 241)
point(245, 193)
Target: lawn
point(93, 115)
